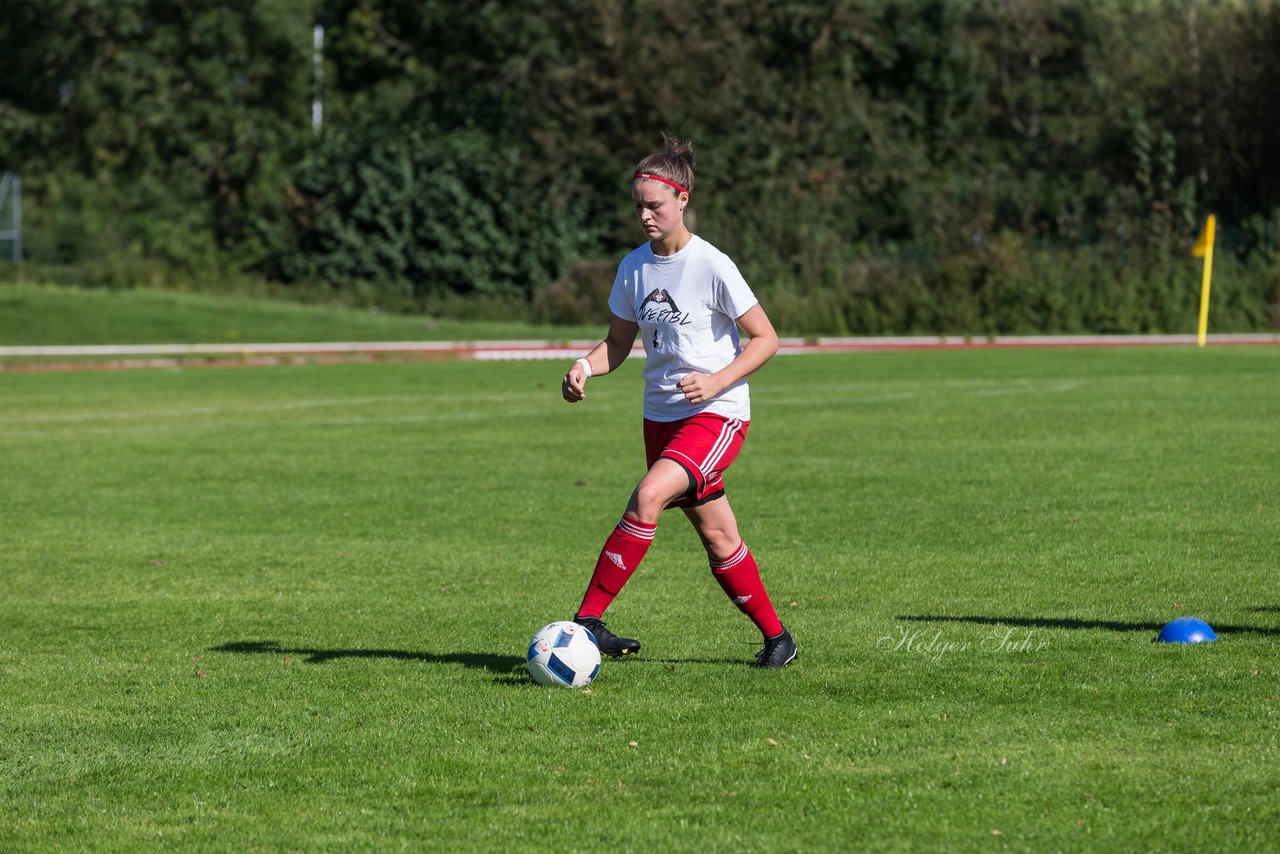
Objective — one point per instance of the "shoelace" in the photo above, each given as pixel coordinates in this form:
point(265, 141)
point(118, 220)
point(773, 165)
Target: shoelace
point(597, 627)
point(769, 646)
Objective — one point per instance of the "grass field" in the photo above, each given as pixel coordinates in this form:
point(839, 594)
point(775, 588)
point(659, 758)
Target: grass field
point(42, 314)
point(286, 609)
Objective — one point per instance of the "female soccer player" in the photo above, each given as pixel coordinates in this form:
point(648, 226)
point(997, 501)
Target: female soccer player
point(687, 300)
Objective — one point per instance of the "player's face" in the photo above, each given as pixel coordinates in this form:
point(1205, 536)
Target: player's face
point(659, 208)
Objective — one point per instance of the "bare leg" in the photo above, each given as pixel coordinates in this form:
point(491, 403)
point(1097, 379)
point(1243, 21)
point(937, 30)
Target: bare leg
point(732, 564)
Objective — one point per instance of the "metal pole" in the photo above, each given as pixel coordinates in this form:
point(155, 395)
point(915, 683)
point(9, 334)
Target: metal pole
point(11, 192)
point(17, 219)
point(317, 78)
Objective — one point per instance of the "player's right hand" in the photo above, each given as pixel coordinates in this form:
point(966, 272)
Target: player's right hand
point(574, 385)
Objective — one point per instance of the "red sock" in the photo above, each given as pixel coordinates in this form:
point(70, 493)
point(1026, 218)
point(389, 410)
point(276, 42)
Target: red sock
point(622, 553)
point(739, 577)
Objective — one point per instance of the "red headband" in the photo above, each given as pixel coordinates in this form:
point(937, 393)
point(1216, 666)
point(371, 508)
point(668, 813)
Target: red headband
point(659, 178)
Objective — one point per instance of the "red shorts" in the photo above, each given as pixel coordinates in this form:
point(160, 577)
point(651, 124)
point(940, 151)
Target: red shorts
point(704, 445)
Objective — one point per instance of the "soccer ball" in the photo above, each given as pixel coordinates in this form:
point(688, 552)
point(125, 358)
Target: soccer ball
point(565, 654)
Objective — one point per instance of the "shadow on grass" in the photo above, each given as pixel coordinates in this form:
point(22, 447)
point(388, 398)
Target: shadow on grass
point(1065, 623)
point(501, 664)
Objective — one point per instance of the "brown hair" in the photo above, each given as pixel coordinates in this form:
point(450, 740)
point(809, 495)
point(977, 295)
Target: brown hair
point(675, 163)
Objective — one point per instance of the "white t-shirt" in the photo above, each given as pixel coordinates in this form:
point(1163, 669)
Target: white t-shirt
point(687, 306)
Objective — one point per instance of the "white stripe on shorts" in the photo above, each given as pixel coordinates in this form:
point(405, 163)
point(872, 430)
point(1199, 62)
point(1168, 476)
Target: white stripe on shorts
point(721, 447)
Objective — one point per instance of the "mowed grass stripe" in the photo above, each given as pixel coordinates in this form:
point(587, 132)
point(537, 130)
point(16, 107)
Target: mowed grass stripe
point(298, 620)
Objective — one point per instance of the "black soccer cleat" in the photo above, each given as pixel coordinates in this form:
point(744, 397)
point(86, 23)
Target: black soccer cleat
point(609, 643)
point(779, 651)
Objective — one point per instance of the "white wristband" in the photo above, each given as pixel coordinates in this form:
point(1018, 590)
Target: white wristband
point(586, 366)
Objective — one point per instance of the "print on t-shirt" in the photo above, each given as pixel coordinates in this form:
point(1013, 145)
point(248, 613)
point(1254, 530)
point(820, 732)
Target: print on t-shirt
point(659, 307)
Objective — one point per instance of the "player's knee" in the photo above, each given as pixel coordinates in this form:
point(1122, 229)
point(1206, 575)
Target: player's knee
point(720, 543)
point(650, 499)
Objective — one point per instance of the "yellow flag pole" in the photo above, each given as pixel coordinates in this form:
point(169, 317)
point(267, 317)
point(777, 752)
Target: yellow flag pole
point(1204, 247)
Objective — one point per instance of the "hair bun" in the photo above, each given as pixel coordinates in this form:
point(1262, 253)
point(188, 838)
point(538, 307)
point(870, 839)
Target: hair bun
point(680, 148)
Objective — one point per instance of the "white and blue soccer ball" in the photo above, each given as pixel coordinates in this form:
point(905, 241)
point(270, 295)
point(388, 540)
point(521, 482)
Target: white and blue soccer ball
point(565, 654)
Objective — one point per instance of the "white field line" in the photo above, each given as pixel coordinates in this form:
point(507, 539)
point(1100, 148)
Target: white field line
point(222, 424)
point(194, 411)
point(109, 422)
point(212, 412)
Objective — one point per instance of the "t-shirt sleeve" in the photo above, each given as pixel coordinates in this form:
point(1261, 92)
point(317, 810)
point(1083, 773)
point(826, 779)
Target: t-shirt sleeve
point(620, 302)
point(733, 295)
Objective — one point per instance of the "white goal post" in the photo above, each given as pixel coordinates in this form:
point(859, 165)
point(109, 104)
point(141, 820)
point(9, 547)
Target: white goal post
point(11, 204)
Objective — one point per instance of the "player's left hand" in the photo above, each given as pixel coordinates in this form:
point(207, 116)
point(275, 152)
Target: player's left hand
point(699, 388)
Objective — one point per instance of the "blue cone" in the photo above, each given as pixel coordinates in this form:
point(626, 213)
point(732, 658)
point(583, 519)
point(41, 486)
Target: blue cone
point(1186, 630)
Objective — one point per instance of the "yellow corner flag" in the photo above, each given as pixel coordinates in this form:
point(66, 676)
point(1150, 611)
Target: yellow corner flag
point(1204, 249)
